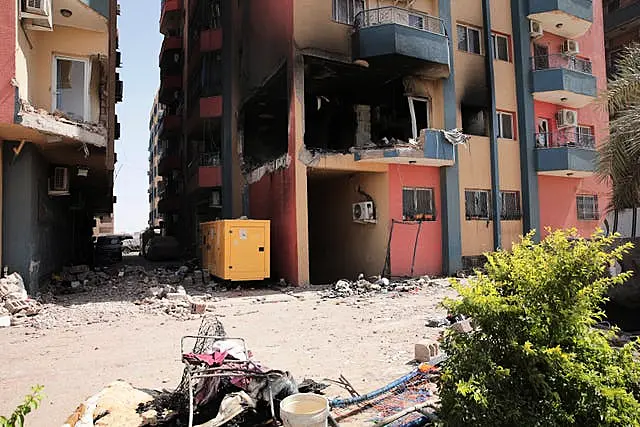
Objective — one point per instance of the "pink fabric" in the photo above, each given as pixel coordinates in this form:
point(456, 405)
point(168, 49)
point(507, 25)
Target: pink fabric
point(215, 359)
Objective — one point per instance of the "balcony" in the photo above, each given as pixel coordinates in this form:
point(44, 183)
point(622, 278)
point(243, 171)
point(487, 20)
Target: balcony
point(565, 153)
point(170, 87)
point(563, 80)
point(169, 197)
point(402, 38)
point(566, 18)
point(205, 170)
point(170, 44)
point(171, 126)
point(435, 151)
point(169, 161)
point(170, 15)
point(621, 16)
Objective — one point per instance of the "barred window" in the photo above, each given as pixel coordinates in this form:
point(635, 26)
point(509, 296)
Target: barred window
point(477, 204)
point(418, 204)
point(510, 205)
point(587, 207)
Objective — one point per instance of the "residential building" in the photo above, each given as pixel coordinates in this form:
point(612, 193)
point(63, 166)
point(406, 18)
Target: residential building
point(329, 117)
point(58, 90)
point(156, 151)
point(621, 27)
point(104, 225)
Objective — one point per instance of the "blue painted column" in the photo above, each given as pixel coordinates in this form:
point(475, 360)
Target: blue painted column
point(526, 113)
point(449, 176)
point(493, 125)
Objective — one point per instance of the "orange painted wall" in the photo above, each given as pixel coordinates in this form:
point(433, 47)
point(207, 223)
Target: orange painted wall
point(557, 195)
point(429, 244)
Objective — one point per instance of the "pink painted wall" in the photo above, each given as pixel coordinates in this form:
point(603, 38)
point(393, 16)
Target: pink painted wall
point(429, 245)
point(557, 195)
point(7, 60)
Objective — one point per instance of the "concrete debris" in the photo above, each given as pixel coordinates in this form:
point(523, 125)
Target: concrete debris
point(362, 287)
point(15, 303)
point(256, 175)
point(426, 350)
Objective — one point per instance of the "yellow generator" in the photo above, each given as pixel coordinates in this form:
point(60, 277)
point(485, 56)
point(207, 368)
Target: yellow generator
point(237, 249)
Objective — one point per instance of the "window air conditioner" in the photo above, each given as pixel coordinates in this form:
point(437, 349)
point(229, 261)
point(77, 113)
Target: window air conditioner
point(535, 29)
point(364, 212)
point(59, 182)
point(570, 47)
point(567, 118)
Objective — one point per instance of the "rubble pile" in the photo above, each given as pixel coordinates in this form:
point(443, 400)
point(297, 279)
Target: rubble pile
point(15, 304)
point(375, 285)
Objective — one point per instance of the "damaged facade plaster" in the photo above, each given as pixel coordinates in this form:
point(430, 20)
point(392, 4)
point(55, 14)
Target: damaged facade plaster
point(282, 162)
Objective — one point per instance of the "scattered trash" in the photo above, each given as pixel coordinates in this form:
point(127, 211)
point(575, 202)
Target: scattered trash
point(362, 287)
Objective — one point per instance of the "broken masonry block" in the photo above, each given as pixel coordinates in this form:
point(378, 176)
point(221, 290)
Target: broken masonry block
point(462, 326)
point(198, 307)
point(426, 350)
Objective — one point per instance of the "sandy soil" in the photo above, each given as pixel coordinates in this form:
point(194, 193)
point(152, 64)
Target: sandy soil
point(368, 339)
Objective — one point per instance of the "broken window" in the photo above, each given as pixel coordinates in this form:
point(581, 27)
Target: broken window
point(500, 47)
point(510, 205)
point(345, 11)
point(418, 204)
point(71, 87)
point(505, 125)
point(477, 204)
point(419, 110)
point(587, 207)
point(474, 120)
point(469, 39)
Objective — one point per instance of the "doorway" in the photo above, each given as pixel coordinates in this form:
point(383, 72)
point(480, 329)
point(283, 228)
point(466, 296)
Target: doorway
point(71, 87)
point(543, 135)
point(540, 56)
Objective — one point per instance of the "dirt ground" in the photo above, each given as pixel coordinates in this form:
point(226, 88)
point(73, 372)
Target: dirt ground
point(368, 339)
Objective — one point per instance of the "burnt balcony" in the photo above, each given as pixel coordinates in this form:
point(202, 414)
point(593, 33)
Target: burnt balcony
point(205, 170)
point(624, 14)
point(402, 38)
point(206, 26)
point(565, 153)
point(170, 59)
point(435, 151)
point(169, 196)
point(566, 18)
point(170, 89)
point(205, 87)
point(563, 80)
point(169, 161)
point(170, 15)
point(170, 125)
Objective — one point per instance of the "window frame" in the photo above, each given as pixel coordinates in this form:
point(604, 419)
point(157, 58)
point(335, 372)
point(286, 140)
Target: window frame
point(86, 116)
point(351, 10)
point(517, 216)
point(470, 217)
point(430, 214)
point(499, 114)
point(412, 113)
point(494, 41)
point(468, 28)
point(582, 214)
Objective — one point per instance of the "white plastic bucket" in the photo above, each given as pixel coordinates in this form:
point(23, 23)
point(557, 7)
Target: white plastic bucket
point(304, 410)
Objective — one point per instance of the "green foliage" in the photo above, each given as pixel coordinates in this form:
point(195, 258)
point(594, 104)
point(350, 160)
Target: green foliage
point(534, 358)
point(31, 403)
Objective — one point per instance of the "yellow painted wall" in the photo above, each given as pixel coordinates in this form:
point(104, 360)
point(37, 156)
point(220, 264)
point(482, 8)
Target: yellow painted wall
point(35, 63)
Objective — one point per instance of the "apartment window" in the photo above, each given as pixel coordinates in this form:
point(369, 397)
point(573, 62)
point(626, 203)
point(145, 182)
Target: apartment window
point(345, 11)
point(500, 47)
point(510, 205)
point(505, 125)
point(418, 204)
point(587, 207)
point(477, 204)
point(468, 39)
point(71, 87)
point(585, 136)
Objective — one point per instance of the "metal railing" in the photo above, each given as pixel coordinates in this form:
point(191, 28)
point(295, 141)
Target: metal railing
point(568, 137)
point(557, 60)
point(397, 15)
point(203, 160)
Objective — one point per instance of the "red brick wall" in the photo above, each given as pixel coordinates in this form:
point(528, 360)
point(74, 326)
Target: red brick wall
point(7, 60)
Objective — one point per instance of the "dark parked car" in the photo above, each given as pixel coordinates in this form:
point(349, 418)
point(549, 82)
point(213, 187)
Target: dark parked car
point(108, 249)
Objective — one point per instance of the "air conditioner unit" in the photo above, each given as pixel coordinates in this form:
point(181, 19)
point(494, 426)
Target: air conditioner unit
point(59, 182)
point(364, 212)
point(570, 47)
point(567, 118)
point(535, 29)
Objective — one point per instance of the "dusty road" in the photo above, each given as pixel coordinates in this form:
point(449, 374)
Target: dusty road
point(369, 340)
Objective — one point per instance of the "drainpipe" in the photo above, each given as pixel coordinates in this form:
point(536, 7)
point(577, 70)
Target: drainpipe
point(493, 128)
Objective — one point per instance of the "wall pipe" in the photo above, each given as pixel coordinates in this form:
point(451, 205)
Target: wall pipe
point(493, 129)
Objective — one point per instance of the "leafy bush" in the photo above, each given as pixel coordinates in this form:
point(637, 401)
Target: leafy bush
point(31, 403)
point(534, 358)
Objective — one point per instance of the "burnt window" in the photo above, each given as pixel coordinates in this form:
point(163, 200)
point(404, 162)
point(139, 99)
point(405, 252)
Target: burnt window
point(418, 204)
point(477, 204)
point(587, 207)
point(505, 125)
point(474, 120)
point(510, 205)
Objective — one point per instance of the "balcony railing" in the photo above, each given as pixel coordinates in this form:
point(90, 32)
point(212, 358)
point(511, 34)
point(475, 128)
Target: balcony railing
point(205, 160)
point(397, 15)
point(565, 138)
point(553, 61)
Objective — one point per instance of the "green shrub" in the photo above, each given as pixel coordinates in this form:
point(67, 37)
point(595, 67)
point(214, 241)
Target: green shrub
point(534, 358)
point(31, 403)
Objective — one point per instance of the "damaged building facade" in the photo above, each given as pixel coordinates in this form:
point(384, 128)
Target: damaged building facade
point(395, 137)
point(156, 151)
point(58, 90)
